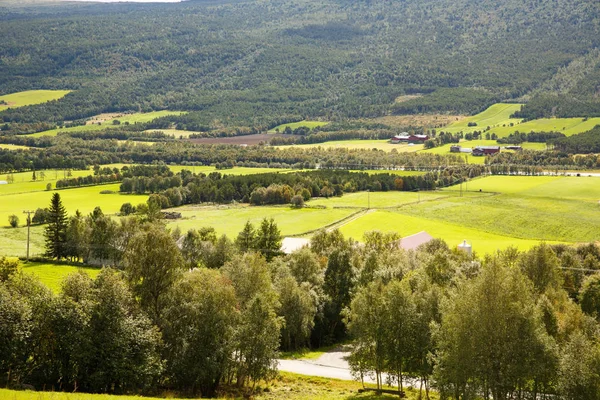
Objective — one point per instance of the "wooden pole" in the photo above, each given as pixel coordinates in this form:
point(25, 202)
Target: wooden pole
point(28, 225)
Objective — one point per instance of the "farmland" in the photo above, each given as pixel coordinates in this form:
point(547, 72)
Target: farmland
point(497, 117)
point(565, 210)
point(52, 275)
point(105, 122)
point(30, 97)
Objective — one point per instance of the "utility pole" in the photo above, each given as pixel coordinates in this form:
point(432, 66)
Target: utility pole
point(28, 225)
point(369, 199)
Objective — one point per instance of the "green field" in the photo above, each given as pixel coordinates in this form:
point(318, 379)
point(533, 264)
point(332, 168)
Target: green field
point(31, 97)
point(509, 210)
point(497, 117)
point(230, 220)
point(13, 147)
point(294, 125)
point(379, 200)
point(52, 275)
point(84, 199)
point(131, 118)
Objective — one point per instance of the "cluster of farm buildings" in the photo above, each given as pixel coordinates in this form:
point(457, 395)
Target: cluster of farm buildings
point(407, 138)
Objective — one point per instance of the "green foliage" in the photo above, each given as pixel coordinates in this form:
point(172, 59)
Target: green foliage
point(583, 143)
point(589, 297)
point(56, 231)
point(200, 323)
point(491, 337)
point(152, 265)
point(268, 239)
point(13, 221)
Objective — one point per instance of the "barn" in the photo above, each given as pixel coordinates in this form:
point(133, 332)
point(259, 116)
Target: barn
point(485, 150)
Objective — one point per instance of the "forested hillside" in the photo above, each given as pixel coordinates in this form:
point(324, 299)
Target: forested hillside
point(258, 63)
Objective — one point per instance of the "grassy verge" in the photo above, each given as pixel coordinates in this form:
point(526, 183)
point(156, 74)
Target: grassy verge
point(286, 386)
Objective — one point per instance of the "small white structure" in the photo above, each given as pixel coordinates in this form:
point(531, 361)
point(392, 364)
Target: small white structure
point(466, 247)
point(3, 183)
point(290, 245)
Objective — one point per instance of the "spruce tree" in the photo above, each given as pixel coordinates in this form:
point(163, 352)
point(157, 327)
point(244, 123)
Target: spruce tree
point(56, 231)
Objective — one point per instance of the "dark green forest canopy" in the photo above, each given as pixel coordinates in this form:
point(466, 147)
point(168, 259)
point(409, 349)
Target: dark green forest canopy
point(255, 63)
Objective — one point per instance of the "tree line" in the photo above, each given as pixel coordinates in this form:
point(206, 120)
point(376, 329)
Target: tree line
point(275, 188)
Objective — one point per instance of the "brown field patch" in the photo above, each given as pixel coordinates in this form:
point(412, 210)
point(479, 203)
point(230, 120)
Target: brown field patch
point(419, 120)
point(247, 140)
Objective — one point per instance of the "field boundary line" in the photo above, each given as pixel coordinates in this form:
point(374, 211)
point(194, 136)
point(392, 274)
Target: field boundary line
point(332, 225)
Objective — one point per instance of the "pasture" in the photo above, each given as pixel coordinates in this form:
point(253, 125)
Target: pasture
point(497, 117)
point(13, 147)
point(230, 219)
point(52, 275)
point(30, 196)
point(510, 210)
point(103, 123)
point(30, 97)
point(294, 125)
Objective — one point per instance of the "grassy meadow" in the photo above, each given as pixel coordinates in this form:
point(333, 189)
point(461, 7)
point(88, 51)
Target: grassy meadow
point(286, 386)
point(294, 125)
point(30, 97)
point(230, 220)
point(106, 122)
point(510, 210)
point(497, 117)
point(52, 275)
point(13, 147)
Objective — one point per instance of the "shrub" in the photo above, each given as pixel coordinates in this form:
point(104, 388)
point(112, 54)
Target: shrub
point(13, 220)
point(297, 201)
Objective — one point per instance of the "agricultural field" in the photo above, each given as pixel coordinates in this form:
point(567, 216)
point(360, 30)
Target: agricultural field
point(104, 121)
point(510, 210)
point(52, 275)
point(230, 220)
point(30, 97)
point(295, 125)
point(497, 117)
point(13, 147)
point(85, 199)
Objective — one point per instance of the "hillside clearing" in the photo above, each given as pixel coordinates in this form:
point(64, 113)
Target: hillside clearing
point(123, 119)
point(30, 97)
point(294, 125)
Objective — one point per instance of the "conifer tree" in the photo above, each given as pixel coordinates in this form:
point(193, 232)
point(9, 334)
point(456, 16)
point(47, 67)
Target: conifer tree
point(56, 231)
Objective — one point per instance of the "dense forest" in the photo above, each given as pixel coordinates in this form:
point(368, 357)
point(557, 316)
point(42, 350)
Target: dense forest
point(256, 64)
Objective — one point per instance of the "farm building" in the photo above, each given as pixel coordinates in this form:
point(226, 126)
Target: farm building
point(404, 137)
point(485, 150)
point(513, 148)
point(413, 241)
point(459, 149)
point(290, 245)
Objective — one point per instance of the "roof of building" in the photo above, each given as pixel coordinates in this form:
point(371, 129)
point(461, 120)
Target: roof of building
point(290, 245)
point(488, 147)
point(413, 241)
